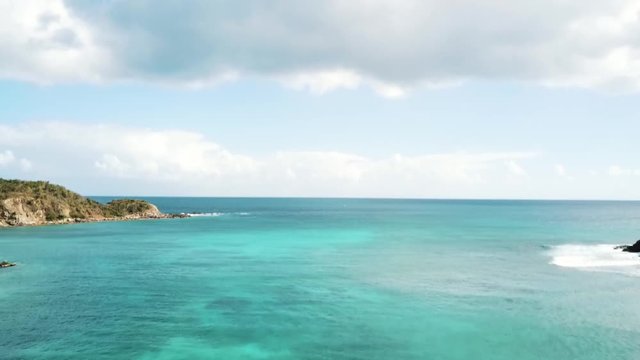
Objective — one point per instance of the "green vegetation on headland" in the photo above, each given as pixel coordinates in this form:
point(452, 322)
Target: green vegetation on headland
point(39, 202)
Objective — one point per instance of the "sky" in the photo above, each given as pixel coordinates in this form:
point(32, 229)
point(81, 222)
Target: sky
point(361, 98)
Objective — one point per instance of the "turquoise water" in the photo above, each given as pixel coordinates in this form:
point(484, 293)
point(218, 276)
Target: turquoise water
point(328, 279)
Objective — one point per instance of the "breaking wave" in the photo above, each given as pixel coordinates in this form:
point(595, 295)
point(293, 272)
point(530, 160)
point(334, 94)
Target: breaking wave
point(216, 214)
point(210, 214)
point(600, 257)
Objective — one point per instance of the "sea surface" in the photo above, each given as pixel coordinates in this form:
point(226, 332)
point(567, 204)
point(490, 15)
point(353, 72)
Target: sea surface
point(328, 279)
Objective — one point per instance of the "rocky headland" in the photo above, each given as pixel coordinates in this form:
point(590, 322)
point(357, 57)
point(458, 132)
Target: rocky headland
point(29, 203)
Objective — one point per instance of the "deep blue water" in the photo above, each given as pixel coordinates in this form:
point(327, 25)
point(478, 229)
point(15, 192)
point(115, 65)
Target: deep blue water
point(328, 279)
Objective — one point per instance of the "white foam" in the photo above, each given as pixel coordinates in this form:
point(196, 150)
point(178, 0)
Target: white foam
point(600, 257)
point(211, 214)
point(215, 214)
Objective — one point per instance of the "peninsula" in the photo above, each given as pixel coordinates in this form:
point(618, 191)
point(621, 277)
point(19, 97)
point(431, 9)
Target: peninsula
point(28, 203)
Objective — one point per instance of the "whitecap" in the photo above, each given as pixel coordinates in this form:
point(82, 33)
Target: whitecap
point(599, 257)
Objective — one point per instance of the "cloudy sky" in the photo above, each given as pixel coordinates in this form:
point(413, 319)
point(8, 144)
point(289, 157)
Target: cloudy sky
point(364, 98)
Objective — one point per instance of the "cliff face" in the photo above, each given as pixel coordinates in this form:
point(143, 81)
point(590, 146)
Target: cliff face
point(20, 211)
point(37, 203)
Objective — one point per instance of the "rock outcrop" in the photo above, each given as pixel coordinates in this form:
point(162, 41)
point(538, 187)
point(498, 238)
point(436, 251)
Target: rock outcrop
point(635, 248)
point(20, 211)
point(25, 203)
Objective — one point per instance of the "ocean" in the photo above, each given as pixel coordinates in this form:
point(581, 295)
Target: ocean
point(328, 279)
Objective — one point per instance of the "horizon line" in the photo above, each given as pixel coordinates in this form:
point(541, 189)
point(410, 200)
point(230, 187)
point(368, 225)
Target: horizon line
point(364, 198)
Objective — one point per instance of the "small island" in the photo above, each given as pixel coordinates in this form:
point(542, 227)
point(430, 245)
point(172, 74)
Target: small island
point(30, 203)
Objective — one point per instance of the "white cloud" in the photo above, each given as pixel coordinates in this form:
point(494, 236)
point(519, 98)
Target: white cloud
point(110, 159)
point(323, 81)
point(43, 41)
point(6, 158)
point(515, 168)
point(111, 164)
point(25, 165)
point(322, 46)
point(181, 162)
point(458, 168)
point(9, 160)
point(319, 165)
point(616, 171)
point(129, 152)
point(561, 172)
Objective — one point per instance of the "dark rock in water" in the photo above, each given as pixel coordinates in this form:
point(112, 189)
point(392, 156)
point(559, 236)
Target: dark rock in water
point(6, 264)
point(635, 248)
point(177, 216)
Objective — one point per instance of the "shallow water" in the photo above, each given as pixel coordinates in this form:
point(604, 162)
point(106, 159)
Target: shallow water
point(328, 279)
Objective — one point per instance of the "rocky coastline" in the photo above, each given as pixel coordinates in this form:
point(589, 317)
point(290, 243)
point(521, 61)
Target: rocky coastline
point(11, 217)
point(93, 220)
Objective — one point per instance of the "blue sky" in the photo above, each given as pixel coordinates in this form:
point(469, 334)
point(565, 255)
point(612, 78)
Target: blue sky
point(199, 98)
